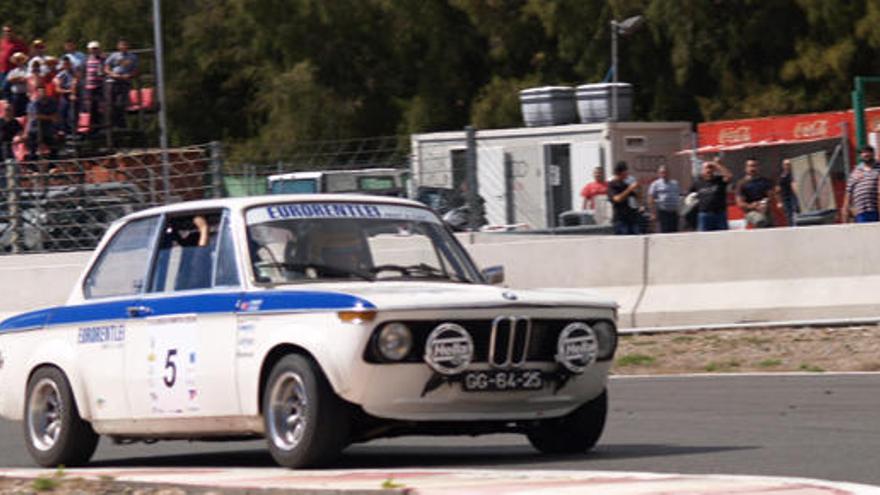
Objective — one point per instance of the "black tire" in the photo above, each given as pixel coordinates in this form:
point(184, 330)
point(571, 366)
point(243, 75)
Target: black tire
point(575, 433)
point(321, 434)
point(75, 441)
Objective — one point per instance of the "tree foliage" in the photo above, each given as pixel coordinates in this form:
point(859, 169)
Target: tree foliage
point(266, 74)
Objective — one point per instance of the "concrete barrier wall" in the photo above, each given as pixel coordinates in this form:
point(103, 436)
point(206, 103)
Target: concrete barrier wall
point(612, 265)
point(31, 281)
point(710, 278)
point(761, 275)
point(822, 272)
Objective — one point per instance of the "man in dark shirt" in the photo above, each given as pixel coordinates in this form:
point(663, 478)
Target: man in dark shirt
point(711, 189)
point(754, 195)
point(10, 128)
point(623, 192)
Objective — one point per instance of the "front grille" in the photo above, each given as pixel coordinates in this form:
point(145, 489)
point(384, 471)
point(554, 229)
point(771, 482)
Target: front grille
point(538, 343)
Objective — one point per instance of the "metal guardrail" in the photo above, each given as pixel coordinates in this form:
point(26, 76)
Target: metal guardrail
point(63, 205)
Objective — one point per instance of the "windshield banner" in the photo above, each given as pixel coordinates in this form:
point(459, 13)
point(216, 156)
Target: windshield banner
point(366, 211)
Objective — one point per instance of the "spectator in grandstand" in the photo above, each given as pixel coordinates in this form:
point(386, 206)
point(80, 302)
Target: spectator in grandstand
point(77, 58)
point(711, 189)
point(623, 192)
point(94, 83)
point(754, 195)
point(663, 198)
point(38, 52)
point(10, 44)
point(860, 199)
point(17, 79)
point(592, 189)
point(35, 77)
point(66, 83)
point(52, 68)
point(42, 121)
point(10, 133)
point(786, 190)
point(121, 67)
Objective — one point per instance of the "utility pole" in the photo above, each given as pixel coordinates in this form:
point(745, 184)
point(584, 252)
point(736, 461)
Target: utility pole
point(622, 28)
point(160, 86)
point(614, 28)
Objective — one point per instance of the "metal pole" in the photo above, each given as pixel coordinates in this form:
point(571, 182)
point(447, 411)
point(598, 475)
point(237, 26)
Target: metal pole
point(160, 86)
point(510, 201)
point(614, 71)
point(471, 178)
point(12, 209)
point(844, 145)
point(859, 114)
point(216, 167)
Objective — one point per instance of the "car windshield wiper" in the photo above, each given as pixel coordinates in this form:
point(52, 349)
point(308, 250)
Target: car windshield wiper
point(419, 270)
point(319, 269)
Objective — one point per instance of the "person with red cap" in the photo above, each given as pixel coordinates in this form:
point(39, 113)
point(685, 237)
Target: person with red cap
point(9, 45)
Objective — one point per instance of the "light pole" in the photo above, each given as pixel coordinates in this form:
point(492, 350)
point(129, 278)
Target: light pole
point(160, 83)
point(623, 28)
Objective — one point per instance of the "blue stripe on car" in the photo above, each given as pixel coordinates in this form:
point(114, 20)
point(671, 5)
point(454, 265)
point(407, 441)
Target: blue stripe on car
point(200, 303)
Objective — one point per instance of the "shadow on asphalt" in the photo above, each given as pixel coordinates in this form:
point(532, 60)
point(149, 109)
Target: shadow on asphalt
point(411, 457)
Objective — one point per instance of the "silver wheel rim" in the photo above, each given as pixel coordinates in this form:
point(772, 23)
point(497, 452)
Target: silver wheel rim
point(288, 406)
point(45, 414)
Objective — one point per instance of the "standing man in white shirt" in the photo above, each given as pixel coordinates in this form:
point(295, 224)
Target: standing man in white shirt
point(663, 199)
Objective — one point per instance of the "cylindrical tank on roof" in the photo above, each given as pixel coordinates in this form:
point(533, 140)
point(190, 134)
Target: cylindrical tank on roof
point(548, 105)
point(594, 101)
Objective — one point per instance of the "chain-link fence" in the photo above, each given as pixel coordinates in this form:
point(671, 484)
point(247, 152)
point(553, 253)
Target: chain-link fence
point(327, 157)
point(62, 205)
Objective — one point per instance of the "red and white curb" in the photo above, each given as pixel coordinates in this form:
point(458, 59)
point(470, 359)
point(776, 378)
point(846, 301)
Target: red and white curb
point(466, 481)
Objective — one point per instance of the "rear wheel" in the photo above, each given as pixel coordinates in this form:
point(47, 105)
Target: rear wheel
point(575, 433)
point(306, 423)
point(55, 433)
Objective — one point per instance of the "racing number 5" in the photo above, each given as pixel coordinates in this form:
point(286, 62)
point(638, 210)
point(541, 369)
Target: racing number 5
point(169, 363)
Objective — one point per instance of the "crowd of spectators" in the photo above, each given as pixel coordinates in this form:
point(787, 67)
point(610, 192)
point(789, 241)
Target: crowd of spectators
point(43, 94)
point(704, 207)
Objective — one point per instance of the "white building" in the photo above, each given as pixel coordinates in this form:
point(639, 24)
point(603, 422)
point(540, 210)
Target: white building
point(531, 175)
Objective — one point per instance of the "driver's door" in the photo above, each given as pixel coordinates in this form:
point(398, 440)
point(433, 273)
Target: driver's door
point(180, 362)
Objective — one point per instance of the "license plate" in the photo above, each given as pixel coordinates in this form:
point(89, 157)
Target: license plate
point(498, 380)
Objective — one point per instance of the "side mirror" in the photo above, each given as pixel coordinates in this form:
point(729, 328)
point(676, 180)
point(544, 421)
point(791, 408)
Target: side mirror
point(493, 275)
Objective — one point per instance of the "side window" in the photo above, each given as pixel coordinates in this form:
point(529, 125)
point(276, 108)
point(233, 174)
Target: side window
point(185, 257)
point(227, 271)
point(121, 269)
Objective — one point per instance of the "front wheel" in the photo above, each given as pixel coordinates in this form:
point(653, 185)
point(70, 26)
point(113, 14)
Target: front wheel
point(55, 433)
point(306, 423)
point(575, 433)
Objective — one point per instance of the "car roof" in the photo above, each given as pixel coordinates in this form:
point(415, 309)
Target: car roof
point(242, 203)
point(354, 172)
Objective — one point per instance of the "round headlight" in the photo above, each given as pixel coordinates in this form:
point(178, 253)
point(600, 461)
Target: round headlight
point(577, 347)
point(394, 342)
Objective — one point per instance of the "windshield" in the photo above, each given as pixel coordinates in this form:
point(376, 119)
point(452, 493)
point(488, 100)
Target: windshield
point(305, 242)
point(294, 186)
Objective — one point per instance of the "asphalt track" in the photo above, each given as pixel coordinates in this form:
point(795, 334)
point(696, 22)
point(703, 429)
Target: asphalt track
point(817, 426)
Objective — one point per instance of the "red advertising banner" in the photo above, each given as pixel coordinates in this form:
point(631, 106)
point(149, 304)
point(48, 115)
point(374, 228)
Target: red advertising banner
point(767, 131)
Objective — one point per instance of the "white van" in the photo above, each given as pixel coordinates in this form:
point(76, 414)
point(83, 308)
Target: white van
point(376, 181)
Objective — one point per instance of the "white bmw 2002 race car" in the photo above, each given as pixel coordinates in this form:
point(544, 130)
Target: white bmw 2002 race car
point(314, 321)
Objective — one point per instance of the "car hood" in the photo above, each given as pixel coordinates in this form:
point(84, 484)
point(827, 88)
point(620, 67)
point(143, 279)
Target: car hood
point(421, 295)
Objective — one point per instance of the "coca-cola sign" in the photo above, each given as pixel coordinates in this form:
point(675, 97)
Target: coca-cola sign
point(814, 129)
point(735, 135)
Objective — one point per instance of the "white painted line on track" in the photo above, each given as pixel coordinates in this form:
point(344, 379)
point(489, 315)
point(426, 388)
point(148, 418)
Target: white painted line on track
point(470, 481)
point(749, 374)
